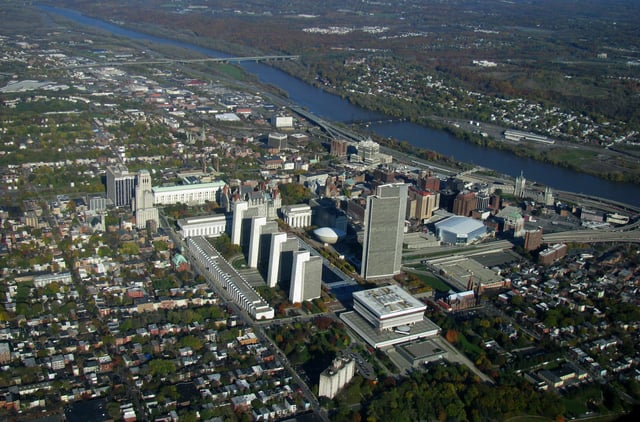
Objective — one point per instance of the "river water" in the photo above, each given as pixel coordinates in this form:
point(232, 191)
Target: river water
point(334, 108)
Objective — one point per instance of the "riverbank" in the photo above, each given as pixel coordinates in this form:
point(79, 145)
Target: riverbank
point(441, 142)
point(603, 163)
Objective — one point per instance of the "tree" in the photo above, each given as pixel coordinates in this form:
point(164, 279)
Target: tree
point(162, 367)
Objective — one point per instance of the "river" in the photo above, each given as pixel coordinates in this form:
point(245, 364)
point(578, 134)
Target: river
point(334, 108)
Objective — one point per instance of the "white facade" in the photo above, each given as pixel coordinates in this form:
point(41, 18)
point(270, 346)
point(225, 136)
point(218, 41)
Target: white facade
point(224, 274)
point(239, 207)
point(520, 186)
point(283, 121)
point(46, 279)
point(120, 185)
point(297, 276)
point(274, 260)
point(335, 377)
point(254, 241)
point(306, 277)
point(187, 194)
point(297, 216)
point(369, 152)
point(143, 201)
point(388, 307)
point(208, 226)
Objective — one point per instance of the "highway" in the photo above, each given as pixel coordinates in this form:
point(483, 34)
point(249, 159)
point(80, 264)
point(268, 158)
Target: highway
point(203, 60)
point(593, 236)
point(418, 255)
point(353, 138)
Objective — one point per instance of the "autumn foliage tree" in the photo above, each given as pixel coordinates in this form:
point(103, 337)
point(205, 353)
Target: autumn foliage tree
point(452, 336)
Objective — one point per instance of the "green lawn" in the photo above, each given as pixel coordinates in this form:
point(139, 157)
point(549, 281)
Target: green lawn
point(434, 282)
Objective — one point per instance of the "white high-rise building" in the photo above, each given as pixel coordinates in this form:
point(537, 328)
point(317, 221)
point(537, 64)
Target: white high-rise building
point(520, 186)
point(239, 208)
point(384, 231)
point(120, 185)
point(254, 241)
point(277, 239)
point(143, 201)
point(336, 376)
point(280, 261)
point(306, 277)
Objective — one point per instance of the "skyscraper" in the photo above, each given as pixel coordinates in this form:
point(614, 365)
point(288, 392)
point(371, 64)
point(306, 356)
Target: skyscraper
point(306, 277)
point(281, 253)
point(143, 201)
point(120, 185)
point(383, 235)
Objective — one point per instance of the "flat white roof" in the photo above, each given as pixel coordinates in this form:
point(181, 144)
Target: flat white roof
point(201, 219)
point(388, 301)
point(177, 188)
point(459, 224)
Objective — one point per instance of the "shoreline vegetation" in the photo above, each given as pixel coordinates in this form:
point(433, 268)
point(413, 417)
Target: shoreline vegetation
point(587, 161)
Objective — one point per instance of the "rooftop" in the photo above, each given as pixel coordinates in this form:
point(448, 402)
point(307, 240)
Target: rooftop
point(388, 300)
point(459, 225)
point(215, 184)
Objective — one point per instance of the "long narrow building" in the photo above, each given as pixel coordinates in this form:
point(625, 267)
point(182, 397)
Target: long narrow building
point(224, 274)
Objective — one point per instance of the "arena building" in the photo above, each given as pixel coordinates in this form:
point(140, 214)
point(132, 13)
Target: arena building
point(458, 230)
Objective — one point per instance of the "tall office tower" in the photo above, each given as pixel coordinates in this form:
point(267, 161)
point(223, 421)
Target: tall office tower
point(548, 196)
point(239, 208)
point(277, 240)
point(306, 277)
point(383, 233)
point(143, 201)
point(339, 147)
point(447, 196)
point(120, 185)
point(520, 187)
point(464, 203)
point(264, 246)
point(281, 259)
point(254, 241)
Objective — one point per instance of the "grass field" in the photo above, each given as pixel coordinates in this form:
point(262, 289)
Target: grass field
point(434, 282)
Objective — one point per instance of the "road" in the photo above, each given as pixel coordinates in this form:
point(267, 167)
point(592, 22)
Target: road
point(418, 255)
point(593, 236)
point(247, 320)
